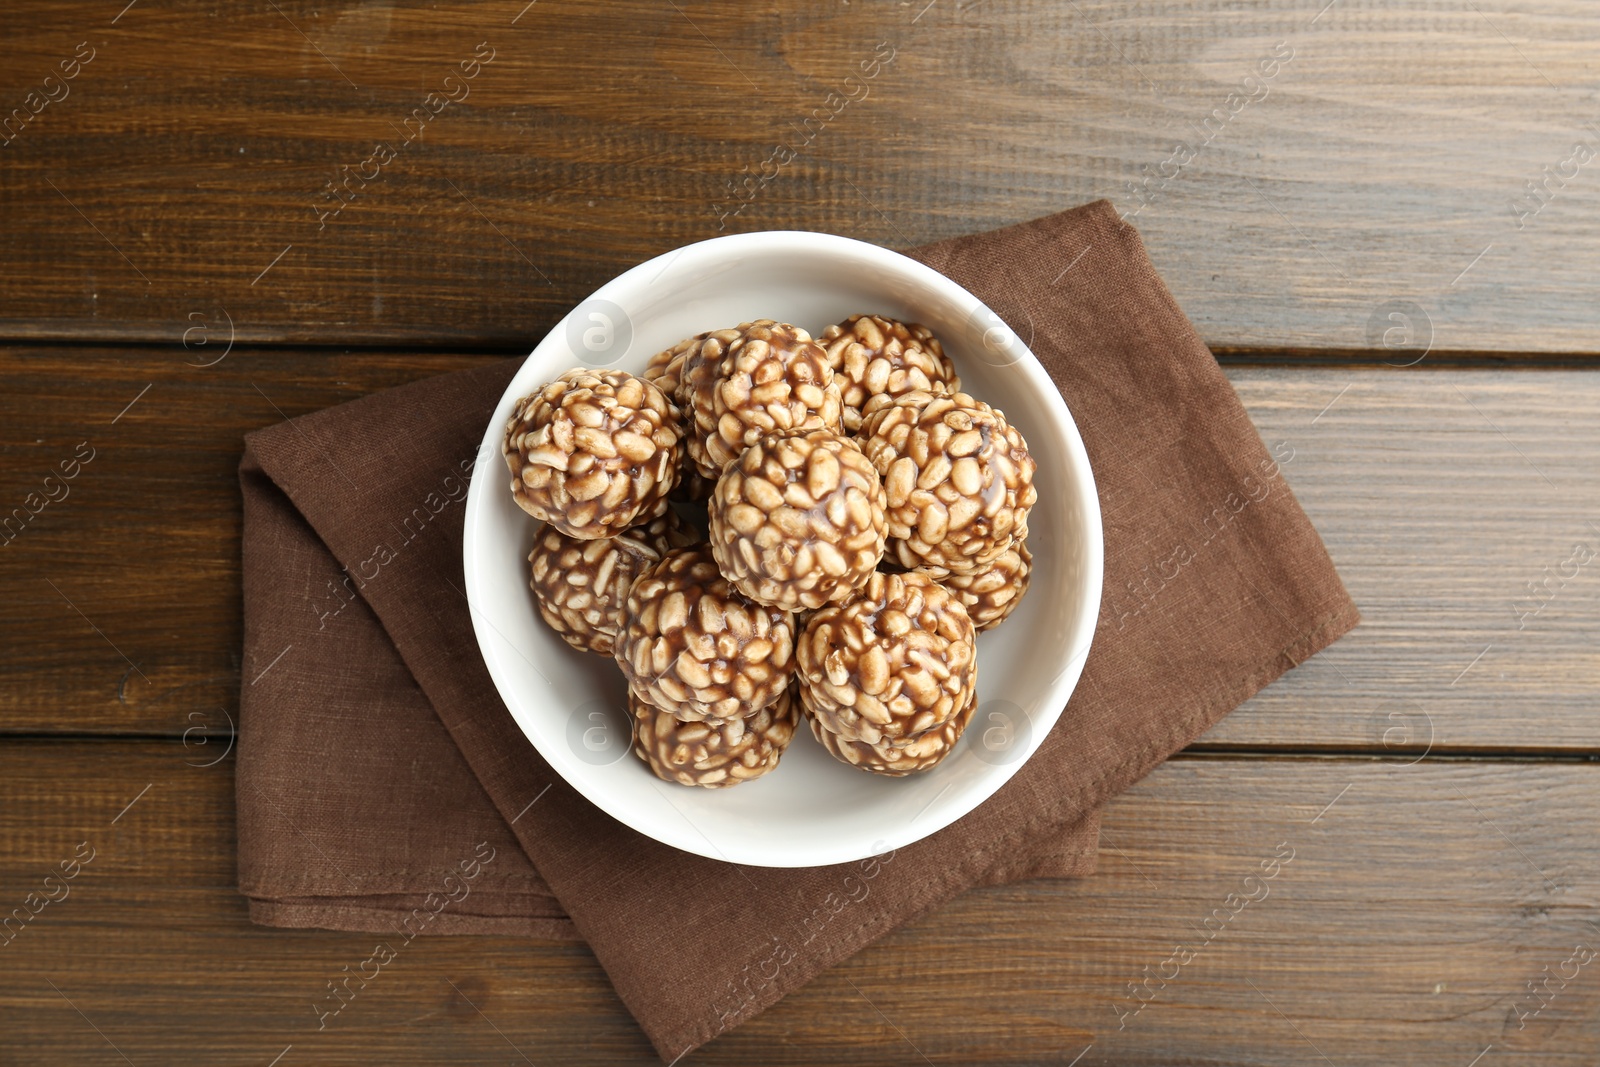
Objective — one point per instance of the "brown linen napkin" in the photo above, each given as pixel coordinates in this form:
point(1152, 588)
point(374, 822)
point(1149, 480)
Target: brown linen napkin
point(357, 811)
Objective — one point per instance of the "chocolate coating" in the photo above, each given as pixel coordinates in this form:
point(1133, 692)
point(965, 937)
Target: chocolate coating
point(581, 586)
point(593, 452)
point(675, 370)
point(991, 593)
point(797, 521)
point(712, 755)
point(958, 478)
point(772, 376)
point(890, 664)
point(872, 355)
point(894, 761)
point(693, 645)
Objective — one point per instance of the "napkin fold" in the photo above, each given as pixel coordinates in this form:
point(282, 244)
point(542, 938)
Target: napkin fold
point(382, 785)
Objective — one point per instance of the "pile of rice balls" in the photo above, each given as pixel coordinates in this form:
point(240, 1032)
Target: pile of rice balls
point(865, 519)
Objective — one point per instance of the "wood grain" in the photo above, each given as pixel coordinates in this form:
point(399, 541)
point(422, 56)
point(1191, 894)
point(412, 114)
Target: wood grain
point(1441, 496)
point(1388, 937)
point(137, 566)
point(1429, 488)
point(1381, 166)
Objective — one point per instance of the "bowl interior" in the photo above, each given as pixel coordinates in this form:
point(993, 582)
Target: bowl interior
point(812, 809)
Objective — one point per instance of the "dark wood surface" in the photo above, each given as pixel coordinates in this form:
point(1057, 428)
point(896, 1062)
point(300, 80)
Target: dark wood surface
point(1418, 904)
point(1433, 772)
point(1387, 152)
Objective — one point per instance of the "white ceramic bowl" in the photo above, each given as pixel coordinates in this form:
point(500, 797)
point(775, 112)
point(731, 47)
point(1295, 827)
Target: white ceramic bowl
point(811, 810)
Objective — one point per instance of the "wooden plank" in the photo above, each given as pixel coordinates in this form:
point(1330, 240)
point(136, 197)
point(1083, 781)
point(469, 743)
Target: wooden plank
point(1461, 510)
point(258, 162)
point(1429, 487)
point(136, 564)
point(1374, 936)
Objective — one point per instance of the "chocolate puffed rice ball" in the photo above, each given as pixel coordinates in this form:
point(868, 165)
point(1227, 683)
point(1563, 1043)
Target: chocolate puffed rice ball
point(594, 452)
point(581, 587)
point(674, 370)
point(712, 755)
point(992, 592)
point(797, 521)
point(891, 664)
point(876, 356)
point(958, 478)
point(694, 646)
point(895, 761)
point(772, 376)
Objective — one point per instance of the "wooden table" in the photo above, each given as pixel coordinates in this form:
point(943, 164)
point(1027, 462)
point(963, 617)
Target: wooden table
point(1391, 240)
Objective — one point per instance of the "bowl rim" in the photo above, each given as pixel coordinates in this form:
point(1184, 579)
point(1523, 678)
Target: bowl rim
point(487, 478)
